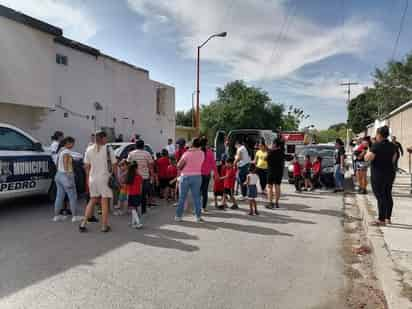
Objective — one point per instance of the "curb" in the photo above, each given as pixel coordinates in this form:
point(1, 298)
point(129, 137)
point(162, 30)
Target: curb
point(384, 265)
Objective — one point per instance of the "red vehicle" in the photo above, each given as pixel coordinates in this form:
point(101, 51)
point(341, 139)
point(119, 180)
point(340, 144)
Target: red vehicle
point(294, 140)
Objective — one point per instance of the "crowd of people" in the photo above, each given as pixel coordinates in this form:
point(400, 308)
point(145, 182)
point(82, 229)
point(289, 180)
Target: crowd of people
point(129, 185)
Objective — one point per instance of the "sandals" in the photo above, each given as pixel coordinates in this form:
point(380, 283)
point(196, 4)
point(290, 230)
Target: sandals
point(82, 227)
point(106, 229)
point(378, 223)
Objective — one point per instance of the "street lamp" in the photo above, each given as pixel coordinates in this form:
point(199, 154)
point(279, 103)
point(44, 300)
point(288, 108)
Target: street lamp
point(197, 122)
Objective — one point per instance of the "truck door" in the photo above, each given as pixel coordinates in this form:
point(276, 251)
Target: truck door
point(220, 145)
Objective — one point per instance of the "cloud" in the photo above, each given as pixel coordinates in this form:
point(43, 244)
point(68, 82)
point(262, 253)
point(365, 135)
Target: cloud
point(75, 22)
point(253, 27)
point(325, 87)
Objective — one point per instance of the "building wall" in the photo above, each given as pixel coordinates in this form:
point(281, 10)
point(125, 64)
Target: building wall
point(26, 66)
point(401, 127)
point(44, 96)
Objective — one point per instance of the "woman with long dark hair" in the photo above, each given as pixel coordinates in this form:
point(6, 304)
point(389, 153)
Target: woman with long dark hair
point(383, 157)
point(65, 181)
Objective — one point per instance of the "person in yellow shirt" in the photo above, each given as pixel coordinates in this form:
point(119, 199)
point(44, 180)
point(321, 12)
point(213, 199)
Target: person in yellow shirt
point(262, 164)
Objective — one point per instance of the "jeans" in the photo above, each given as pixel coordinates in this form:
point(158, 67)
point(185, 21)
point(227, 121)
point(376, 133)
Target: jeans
point(339, 177)
point(146, 190)
point(65, 185)
point(204, 189)
point(382, 188)
point(192, 183)
point(263, 177)
point(243, 171)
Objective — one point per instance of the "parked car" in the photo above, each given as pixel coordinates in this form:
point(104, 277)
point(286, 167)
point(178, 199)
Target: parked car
point(251, 137)
point(25, 167)
point(327, 153)
point(122, 150)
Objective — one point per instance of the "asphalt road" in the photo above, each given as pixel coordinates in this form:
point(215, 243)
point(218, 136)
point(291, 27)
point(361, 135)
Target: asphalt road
point(286, 258)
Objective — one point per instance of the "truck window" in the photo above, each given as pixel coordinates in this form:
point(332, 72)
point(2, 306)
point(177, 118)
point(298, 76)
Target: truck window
point(12, 140)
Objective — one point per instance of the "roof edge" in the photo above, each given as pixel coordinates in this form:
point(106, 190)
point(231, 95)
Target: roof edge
point(29, 21)
point(77, 45)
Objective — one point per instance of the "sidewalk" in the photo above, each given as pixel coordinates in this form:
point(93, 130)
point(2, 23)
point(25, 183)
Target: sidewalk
point(392, 245)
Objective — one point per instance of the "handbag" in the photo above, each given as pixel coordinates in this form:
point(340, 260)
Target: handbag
point(113, 183)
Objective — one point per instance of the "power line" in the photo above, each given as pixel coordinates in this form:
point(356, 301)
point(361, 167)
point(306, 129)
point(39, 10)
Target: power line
point(395, 47)
point(282, 33)
point(349, 84)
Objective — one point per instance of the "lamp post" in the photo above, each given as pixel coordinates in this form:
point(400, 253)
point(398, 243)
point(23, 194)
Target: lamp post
point(197, 122)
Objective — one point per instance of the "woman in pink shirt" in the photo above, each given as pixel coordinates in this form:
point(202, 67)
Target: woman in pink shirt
point(190, 166)
point(209, 165)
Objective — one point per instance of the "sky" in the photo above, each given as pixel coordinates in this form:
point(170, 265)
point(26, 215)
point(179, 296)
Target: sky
point(299, 51)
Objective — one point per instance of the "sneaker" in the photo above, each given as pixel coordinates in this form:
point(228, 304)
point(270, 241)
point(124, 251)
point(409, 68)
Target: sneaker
point(82, 227)
point(250, 213)
point(106, 229)
point(205, 210)
point(137, 226)
point(58, 218)
point(234, 206)
point(117, 213)
point(199, 220)
point(270, 206)
point(93, 219)
point(178, 219)
point(256, 213)
point(77, 218)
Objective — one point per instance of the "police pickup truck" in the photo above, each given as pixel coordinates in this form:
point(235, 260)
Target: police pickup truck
point(25, 168)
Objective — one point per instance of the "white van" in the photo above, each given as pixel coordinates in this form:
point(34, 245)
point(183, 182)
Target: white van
point(25, 168)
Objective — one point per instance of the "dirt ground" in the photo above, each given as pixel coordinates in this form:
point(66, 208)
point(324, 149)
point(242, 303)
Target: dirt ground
point(363, 290)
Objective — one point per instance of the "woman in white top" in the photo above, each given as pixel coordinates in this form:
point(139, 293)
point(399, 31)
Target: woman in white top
point(56, 138)
point(64, 179)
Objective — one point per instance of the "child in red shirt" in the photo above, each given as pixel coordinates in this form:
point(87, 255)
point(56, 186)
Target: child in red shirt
point(297, 174)
point(307, 173)
point(162, 165)
point(172, 176)
point(134, 194)
point(229, 184)
point(316, 168)
point(218, 184)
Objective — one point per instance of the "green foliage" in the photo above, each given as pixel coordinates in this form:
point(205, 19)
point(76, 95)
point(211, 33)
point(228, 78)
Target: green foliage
point(392, 88)
point(330, 135)
point(184, 118)
point(362, 110)
point(239, 106)
point(292, 119)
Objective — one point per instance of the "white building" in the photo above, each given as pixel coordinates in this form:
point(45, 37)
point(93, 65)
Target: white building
point(49, 83)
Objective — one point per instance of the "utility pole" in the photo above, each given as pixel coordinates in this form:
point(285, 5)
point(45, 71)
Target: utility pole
point(348, 84)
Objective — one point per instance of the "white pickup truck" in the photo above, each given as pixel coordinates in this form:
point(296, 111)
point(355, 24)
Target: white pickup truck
point(25, 167)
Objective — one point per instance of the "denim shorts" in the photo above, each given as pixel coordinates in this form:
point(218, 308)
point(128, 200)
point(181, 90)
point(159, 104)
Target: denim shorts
point(252, 191)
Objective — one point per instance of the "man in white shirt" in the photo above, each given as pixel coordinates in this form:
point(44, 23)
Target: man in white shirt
point(145, 168)
point(97, 167)
point(242, 160)
point(171, 148)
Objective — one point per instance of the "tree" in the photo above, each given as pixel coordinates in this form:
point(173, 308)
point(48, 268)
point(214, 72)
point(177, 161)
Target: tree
point(362, 110)
point(293, 118)
point(184, 118)
point(338, 126)
point(392, 88)
point(239, 106)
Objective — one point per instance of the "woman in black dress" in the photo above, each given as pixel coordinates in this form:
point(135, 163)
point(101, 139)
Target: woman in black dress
point(276, 166)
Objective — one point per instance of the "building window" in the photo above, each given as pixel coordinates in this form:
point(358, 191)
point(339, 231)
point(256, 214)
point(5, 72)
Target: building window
point(160, 101)
point(61, 59)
